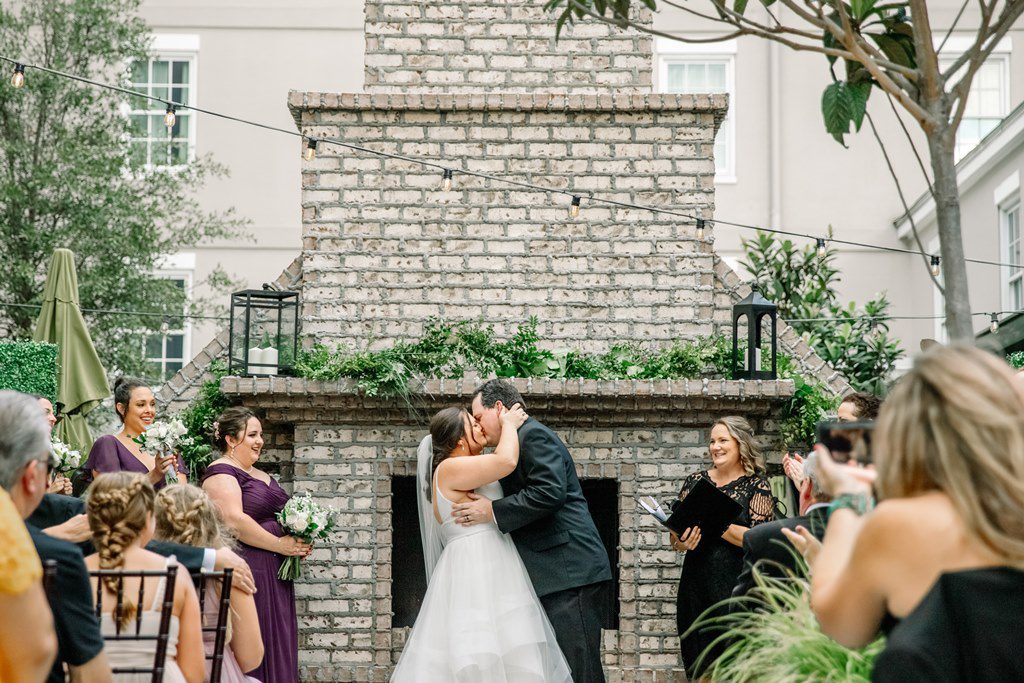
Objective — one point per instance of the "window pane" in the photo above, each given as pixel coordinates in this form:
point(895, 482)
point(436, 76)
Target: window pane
point(175, 345)
point(180, 72)
point(716, 77)
point(138, 153)
point(139, 126)
point(181, 126)
point(179, 95)
point(696, 78)
point(172, 368)
point(676, 78)
point(160, 93)
point(179, 153)
point(154, 346)
point(161, 72)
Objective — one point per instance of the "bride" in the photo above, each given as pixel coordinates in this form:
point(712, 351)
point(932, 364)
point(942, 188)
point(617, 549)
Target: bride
point(481, 621)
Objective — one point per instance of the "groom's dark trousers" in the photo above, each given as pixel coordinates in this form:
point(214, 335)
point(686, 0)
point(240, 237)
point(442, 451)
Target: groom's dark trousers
point(545, 512)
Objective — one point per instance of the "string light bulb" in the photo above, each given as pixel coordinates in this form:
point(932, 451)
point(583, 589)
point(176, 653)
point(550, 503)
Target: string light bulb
point(936, 267)
point(310, 152)
point(165, 325)
point(822, 249)
point(574, 208)
point(446, 180)
point(169, 116)
point(994, 327)
point(18, 79)
point(700, 228)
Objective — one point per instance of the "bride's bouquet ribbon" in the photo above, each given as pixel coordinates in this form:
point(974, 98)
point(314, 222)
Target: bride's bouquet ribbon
point(307, 520)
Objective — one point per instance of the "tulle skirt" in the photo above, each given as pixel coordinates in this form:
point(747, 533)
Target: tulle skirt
point(481, 621)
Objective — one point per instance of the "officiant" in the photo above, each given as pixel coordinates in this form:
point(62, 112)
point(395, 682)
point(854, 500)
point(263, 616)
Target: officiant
point(712, 564)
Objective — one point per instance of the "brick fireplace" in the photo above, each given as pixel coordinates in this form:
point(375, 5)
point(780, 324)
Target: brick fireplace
point(482, 85)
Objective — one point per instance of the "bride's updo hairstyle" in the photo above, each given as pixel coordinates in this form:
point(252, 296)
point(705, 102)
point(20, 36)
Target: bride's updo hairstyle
point(123, 388)
point(447, 427)
point(118, 507)
point(232, 422)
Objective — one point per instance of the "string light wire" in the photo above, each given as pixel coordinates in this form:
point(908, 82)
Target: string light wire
point(591, 196)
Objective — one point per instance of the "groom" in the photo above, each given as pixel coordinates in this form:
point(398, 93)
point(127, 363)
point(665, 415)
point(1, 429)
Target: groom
point(547, 515)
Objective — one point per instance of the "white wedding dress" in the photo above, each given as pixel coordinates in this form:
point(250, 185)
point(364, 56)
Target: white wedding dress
point(481, 621)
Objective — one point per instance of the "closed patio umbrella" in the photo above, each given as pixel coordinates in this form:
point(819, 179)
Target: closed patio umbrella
point(82, 382)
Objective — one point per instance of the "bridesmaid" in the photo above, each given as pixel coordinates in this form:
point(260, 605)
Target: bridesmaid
point(248, 500)
point(136, 407)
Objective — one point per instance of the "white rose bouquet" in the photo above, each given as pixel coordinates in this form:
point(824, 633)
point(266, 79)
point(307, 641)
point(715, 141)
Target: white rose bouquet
point(67, 459)
point(163, 439)
point(305, 519)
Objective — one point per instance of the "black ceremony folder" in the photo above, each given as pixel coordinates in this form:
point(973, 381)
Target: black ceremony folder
point(704, 506)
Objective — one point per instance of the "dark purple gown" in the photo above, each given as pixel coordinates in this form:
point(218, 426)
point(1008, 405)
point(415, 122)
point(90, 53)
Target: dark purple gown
point(275, 599)
point(108, 454)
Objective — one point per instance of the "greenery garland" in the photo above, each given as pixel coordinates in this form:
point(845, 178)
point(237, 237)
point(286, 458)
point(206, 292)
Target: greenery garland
point(450, 350)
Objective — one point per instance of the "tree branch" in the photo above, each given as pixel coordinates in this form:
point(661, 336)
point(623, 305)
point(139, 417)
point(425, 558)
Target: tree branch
point(893, 84)
point(952, 26)
point(906, 132)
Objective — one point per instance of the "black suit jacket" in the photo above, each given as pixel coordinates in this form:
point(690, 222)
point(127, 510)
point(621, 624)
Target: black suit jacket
point(56, 509)
point(78, 630)
point(545, 512)
point(766, 544)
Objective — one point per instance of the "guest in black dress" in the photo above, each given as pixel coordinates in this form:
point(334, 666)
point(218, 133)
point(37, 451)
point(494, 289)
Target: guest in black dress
point(712, 565)
point(941, 556)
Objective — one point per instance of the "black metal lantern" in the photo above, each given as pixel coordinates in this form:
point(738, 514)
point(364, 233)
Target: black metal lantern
point(754, 308)
point(264, 333)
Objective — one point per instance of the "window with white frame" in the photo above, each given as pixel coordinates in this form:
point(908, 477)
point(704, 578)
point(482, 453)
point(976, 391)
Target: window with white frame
point(988, 101)
point(169, 75)
point(707, 68)
point(167, 352)
point(1013, 289)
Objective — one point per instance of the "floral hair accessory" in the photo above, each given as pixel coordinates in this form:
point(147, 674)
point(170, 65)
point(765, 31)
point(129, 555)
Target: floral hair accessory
point(216, 430)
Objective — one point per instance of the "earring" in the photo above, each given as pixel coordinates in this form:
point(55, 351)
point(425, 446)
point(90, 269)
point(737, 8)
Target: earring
point(232, 453)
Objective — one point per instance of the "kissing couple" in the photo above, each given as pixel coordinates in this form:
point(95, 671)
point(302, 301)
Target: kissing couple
point(517, 576)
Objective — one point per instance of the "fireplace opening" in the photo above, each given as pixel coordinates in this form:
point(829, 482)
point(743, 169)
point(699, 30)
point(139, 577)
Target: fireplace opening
point(408, 576)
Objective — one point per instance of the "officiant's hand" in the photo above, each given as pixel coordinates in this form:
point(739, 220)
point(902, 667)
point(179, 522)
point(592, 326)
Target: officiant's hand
point(689, 540)
point(477, 511)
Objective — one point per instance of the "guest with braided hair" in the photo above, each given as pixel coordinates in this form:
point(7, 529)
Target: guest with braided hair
point(185, 514)
point(120, 512)
point(249, 500)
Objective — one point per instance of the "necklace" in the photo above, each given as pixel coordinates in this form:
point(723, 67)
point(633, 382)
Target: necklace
point(232, 458)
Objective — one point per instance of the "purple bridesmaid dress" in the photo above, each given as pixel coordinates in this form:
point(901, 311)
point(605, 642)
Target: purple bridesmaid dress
point(108, 454)
point(275, 599)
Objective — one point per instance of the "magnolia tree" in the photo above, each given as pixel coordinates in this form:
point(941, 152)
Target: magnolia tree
point(887, 46)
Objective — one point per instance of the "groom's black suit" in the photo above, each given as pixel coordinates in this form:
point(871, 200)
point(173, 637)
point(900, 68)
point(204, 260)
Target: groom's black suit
point(545, 512)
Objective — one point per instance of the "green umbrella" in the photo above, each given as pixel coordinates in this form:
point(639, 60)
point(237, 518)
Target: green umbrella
point(83, 382)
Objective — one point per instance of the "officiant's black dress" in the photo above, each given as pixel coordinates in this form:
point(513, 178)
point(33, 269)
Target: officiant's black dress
point(710, 572)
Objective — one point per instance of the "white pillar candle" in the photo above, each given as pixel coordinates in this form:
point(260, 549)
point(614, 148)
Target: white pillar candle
point(256, 356)
point(270, 358)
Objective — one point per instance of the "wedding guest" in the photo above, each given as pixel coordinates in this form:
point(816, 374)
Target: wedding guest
point(24, 451)
point(136, 408)
point(28, 643)
point(942, 556)
point(712, 565)
point(120, 510)
point(859, 406)
point(249, 499)
point(185, 514)
point(765, 546)
point(59, 483)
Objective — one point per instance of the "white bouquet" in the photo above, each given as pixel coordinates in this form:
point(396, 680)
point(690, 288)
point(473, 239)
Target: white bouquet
point(162, 439)
point(67, 459)
point(308, 520)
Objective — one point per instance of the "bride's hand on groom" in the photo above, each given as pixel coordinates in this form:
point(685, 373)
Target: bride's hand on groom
point(477, 511)
point(514, 417)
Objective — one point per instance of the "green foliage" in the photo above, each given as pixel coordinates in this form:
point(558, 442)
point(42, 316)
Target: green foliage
point(844, 101)
point(66, 179)
point(29, 367)
point(855, 341)
point(774, 637)
point(1016, 359)
point(199, 416)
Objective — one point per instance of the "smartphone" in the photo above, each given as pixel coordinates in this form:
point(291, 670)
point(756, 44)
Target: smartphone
point(848, 442)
